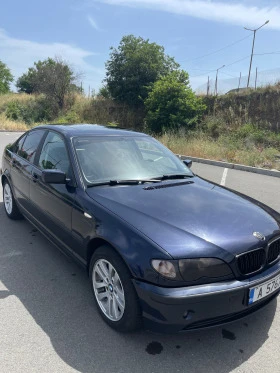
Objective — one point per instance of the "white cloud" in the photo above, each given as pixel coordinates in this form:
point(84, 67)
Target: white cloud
point(93, 23)
point(20, 54)
point(238, 13)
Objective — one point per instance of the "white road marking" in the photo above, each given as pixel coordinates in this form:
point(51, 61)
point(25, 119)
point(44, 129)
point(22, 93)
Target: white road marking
point(223, 182)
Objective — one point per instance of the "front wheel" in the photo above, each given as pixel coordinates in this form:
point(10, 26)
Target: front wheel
point(10, 206)
point(113, 290)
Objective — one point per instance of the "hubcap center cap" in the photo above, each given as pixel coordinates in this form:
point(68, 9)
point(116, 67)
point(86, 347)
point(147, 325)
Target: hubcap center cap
point(111, 288)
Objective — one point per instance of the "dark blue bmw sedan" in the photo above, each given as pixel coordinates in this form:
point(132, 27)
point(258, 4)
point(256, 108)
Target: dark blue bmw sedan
point(163, 248)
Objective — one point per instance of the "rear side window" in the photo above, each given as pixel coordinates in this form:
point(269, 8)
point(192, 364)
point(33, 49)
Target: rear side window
point(18, 144)
point(54, 154)
point(30, 145)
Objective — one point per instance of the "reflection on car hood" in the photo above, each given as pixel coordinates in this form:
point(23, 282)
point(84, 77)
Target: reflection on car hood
point(195, 219)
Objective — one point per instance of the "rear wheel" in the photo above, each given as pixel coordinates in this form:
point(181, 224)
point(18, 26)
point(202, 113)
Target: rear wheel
point(113, 290)
point(9, 202)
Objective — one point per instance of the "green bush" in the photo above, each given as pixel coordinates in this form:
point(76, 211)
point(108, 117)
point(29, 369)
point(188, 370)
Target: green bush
point(171, 104)
point(256, 136)
point(214, 125)
point(248, 135)
point(70, 117)
point(14, 110)
point(33, 111)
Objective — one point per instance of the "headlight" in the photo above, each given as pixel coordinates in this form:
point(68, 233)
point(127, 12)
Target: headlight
point(165, 268)
point(191, 270)
point(194, 269)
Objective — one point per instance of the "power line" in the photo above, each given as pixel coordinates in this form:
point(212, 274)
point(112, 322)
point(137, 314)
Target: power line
point(195, 76)
point(233, 63)
point(230, 64)
point(233, 76)
point(241, 59)
point(262, 54)
point(207, 70)
point(218, 50)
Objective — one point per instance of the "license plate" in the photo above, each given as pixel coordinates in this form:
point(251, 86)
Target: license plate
point(263, 290)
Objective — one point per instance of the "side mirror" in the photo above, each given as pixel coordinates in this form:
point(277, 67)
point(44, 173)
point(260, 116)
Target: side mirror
point(188, 162)
point(53, 177)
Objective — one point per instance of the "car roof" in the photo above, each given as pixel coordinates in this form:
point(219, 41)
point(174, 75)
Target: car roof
point(71, 130)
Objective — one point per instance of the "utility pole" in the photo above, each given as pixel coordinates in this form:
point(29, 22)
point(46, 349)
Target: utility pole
point(208, 86)
point(256, 78)
point(254, 31)
point(216, 82)
point(239, 82)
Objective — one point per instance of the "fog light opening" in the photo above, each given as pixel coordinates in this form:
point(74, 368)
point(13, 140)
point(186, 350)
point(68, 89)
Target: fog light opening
point(188, 315)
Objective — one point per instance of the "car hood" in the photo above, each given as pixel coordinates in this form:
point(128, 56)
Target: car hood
point(190, 218)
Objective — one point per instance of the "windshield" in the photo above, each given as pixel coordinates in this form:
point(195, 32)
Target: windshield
point(102, 159)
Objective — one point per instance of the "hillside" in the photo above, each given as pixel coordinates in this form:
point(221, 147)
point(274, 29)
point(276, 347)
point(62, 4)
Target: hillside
point(239, 128)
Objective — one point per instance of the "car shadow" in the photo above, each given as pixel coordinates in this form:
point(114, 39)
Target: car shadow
point(57, 295)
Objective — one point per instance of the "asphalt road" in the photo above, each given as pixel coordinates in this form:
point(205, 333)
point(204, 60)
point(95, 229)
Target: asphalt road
point(48, 321)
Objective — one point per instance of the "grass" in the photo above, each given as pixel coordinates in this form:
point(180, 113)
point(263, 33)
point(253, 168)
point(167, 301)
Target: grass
point(225, 148)
point(10, 125)
point(9, 97)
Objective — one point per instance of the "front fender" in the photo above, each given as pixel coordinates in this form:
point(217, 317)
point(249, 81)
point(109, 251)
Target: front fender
point(133, 246)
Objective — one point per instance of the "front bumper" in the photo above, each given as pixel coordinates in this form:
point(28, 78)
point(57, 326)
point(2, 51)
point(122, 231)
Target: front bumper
point(194, 307)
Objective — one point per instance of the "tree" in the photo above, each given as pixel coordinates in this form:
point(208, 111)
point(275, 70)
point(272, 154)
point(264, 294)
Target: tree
point(25, 83)
point(104, 92)
point(52, 77)
point(5, 78)
point(133, 67)
point(172, 104)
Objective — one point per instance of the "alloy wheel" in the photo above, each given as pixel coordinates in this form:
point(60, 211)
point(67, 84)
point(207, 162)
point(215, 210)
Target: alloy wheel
point(8, 198)
point(108, 290)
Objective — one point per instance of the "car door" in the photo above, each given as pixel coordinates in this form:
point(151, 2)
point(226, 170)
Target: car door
point(22, 165)
point(52, 203)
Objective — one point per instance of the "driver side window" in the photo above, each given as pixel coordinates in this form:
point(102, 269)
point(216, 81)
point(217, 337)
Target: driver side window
point(54, 154)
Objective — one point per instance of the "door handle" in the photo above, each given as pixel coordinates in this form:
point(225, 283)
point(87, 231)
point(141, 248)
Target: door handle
point(35, 177)
point(13, 162)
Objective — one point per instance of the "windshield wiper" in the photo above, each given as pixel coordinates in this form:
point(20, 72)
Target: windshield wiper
point(140, 181)
point(174, 176)
point(132, 182)
point(124, 182)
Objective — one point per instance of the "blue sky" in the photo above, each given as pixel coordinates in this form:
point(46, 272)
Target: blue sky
point(82, 31)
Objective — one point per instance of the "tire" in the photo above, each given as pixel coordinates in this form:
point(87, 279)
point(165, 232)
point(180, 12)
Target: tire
point(113, 291)
point(9, 202)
